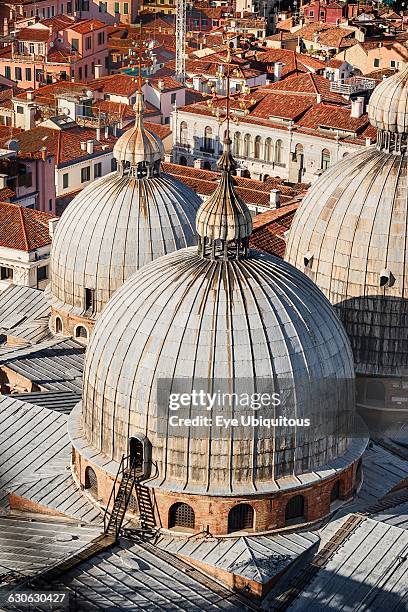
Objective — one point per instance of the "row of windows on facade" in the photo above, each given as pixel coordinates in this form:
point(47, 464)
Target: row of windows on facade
point(250, 147)
point(86, 173)
point(41, 77)
point(240, 518)
point(79, 5)
point(8, 273)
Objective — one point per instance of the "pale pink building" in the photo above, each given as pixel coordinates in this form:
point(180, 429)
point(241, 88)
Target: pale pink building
point(54, 49)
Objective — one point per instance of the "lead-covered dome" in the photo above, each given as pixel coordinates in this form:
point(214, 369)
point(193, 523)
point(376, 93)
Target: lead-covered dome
point(350, 237)
point(388, 108)
point(219, 316)
point(118, 224)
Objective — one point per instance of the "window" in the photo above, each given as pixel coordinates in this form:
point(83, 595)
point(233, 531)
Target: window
point(268, 150)
point(65, 180)
point(240, 517)
point(42, 273)
point(6, 273)
point(85, 174)
point(295, 509)
point(114, 164)
point(7, 72)
point(278, 152)
point(81, 332)
point(237, 144)
point(28, 75)
point(20, 110)
point(80, 73)
point(335, 492)
point(208, 141)
point(181, 515)
point(89, 300)
point(311, 13)
point(75, 44)
point(88, 43)
point(173, 98)
point(394, 64)
point(247, 145)
point(257, 147)
point(136, 453)
point(103, 7)
point(125, 8)
point(50, 204)
point(376, 62)
point(183, 133)
point(91, 482)
point(31, 48)
point(21, 47)
point(116, 7)
point(18, 74)
point(325, 159)
point(101, 38)
point(69, 7)
point(98, 170)
point(86, 71)
point(58, 325)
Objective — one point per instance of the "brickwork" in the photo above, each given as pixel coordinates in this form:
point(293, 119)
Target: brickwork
point(70, 323)
point(212, 512)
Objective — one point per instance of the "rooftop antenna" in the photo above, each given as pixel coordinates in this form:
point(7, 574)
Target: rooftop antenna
point(181, 27)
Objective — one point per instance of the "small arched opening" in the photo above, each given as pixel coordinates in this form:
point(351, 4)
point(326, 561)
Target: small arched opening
point(81, 333)
point(295, 510)
point(325, 159)
point(335, 492)
point(183, 133)
point(278, 152)
point(257, 147)
point(268, 150)
point(136, 453)
point(237, 144)
point(181, 515)
point(241, 518)
point(91, 482)
point(58, 325)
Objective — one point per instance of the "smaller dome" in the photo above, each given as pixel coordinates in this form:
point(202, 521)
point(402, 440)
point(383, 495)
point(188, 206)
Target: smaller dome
point(224, 219)
point(388, 106)
point(138, 145)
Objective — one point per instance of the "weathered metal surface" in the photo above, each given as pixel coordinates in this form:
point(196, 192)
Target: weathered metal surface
point(192, 318)
point(24, 313)
point(60, 401)
point(388, 107)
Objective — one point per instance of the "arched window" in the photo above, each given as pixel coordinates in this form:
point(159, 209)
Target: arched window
point(375, 392)
point(257, 147)
point(58, 325)
point(208, 140)
point(325, 159)
point(298, 152)
point(183, 161)
point(345, 154)
point(183, 133)
point(81, 332)
point(295, 509)
point(237, 144)
point(181, 515)
point(268, 150)
point(91, 482)
point(278, 152)
point(335, 492)
point(247, 145)
point(240, 517)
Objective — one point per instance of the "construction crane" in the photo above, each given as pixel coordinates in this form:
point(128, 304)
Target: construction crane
point(181, 27)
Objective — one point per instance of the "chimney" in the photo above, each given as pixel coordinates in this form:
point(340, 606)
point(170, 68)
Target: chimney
point(107, 131)
point(98, 71)
point(83, 146)
point(98, 133)
point(43, 153)
point(90, 146)
point(198, 163)
point(277, 71)
point(274, 198)
point(357, 107)
point(30, 94)
point(318, 98)
point(6, 30)
point(52, 224)
point(368, 142)
point(3, 181)
point(160, 84)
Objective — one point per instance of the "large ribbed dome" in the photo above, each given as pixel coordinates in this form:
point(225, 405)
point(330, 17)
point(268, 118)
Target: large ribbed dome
point(388, 108)
point(350, 236)
point(118, 224)
point(248, 320)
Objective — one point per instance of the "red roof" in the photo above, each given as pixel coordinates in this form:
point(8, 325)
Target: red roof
point(23, 228)
point(269, 228)
point(119, 84)
point(34, 34)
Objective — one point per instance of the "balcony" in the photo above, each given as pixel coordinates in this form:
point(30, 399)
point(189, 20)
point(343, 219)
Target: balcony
point(93, 122)
point(352, 85)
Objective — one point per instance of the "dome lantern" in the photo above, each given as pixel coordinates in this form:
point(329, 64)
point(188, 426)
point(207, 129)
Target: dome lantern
point(224, 222)
point(388, 112)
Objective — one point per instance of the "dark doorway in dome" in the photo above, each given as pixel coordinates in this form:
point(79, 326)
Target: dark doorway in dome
point(240, 518)
point(136, 454)
point(335, 492)
point(181, 515)
point(91, 482)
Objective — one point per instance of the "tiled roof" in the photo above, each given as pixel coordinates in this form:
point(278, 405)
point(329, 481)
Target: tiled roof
point(47, 93)
point(306, 84)
point(293, 63)
point(162, 131)
point(169, 83)
point(123, 110)
point(34, 34)
point(269, 229)
point(88, 25)
point(23, 228)
point(119, 84)
point(329, 115)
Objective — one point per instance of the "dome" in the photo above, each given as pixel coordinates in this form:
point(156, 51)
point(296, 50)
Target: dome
point(205, 319)
point(118, 224)
point(350, 237)
point(388, 107)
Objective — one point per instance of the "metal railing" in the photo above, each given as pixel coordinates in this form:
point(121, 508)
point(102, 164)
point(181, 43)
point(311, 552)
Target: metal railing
point(352, 85)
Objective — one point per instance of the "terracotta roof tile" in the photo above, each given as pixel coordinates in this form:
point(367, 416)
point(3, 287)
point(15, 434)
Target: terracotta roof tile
point(269, 229)
point(23, 228)
point(119, 84)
